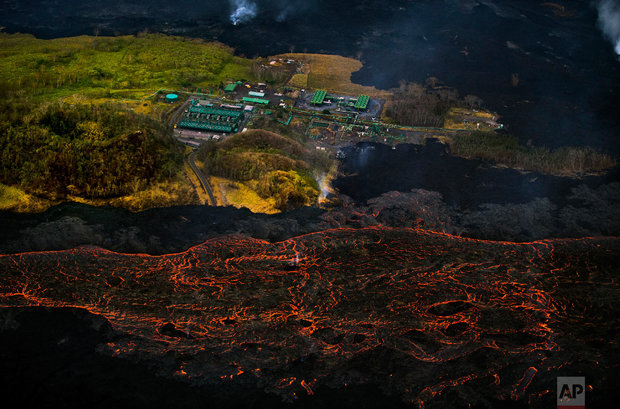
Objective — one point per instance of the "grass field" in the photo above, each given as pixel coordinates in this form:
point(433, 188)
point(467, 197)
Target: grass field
point(113, 67)
point(237, 194)
point(299, 81)
point(331, 72)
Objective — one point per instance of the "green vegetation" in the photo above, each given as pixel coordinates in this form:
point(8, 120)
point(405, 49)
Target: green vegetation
point(15, 199)
point(295, 130)
point(239, 195)
point(275, 166)
point(506, 150)
point(289, 189)
point(416, 105)
point(171, 192)
point(90, 148)
point(112, 67)
point(87, 151)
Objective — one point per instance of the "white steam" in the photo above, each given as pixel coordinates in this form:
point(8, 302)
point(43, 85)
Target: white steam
point(324, 181)
point(609, 21)
point(242, 11)
point(324, 186)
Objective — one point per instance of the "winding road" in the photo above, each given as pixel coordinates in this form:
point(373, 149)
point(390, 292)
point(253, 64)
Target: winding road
point(201, 177)
point(179, 111)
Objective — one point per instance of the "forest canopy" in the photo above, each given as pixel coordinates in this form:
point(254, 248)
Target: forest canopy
point(92, 146)
point(92, 151)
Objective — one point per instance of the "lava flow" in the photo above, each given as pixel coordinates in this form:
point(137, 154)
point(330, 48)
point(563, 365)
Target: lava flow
point(428, 317)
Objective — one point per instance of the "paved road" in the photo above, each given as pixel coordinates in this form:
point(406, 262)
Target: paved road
point(202, 178)
point(179, 111)
point(192, 164)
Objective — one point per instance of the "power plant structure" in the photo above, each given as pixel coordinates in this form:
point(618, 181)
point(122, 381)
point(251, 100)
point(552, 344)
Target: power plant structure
point(209, 118)
point(321, 97)
point(223, 117)
point(171, 98)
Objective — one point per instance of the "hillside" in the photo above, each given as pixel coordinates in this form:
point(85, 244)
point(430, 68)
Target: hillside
point(112, 67)
point(89, 151)
point(277, 168)
point(77, 121)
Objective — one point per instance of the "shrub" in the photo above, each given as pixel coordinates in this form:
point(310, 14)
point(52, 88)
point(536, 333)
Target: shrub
point(505, 149)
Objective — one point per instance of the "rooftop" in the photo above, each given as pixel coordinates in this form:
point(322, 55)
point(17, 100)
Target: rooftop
point(362, 102)
point(215, 111)
point(256, 100)
point(318, 97)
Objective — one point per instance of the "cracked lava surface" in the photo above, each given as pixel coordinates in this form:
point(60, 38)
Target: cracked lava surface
point(430, 318)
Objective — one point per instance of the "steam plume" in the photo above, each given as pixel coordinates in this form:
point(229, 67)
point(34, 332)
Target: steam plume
point(242, 11)
point(609, 21)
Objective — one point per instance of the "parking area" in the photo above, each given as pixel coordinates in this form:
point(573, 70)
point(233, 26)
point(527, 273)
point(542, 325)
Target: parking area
point(255, 93)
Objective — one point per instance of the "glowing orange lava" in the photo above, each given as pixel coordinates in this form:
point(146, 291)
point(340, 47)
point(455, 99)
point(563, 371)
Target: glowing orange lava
point(417, 312)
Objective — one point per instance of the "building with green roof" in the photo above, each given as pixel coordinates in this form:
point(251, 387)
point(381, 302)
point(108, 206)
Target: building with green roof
point(230, 87)
point(205, 118)
point(362, 102)
point(256, 100)
point(318, 97)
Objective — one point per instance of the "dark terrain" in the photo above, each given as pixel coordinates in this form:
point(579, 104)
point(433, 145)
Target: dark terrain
point(568, 87)
point(312, 321)
point(409, 186)
point(392, 298)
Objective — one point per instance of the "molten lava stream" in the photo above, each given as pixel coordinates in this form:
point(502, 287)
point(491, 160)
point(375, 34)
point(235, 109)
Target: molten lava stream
point(421, 314)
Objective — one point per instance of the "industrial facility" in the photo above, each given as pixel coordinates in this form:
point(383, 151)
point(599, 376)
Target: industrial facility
point(171, 98)
point(255, 100)
point(229, 88)
point(321, 97)
point(212, 118)
point(209, 118)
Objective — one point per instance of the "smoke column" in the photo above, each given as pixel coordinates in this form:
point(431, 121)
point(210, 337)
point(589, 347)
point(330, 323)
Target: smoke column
point(609, 21)
point(242, 11)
